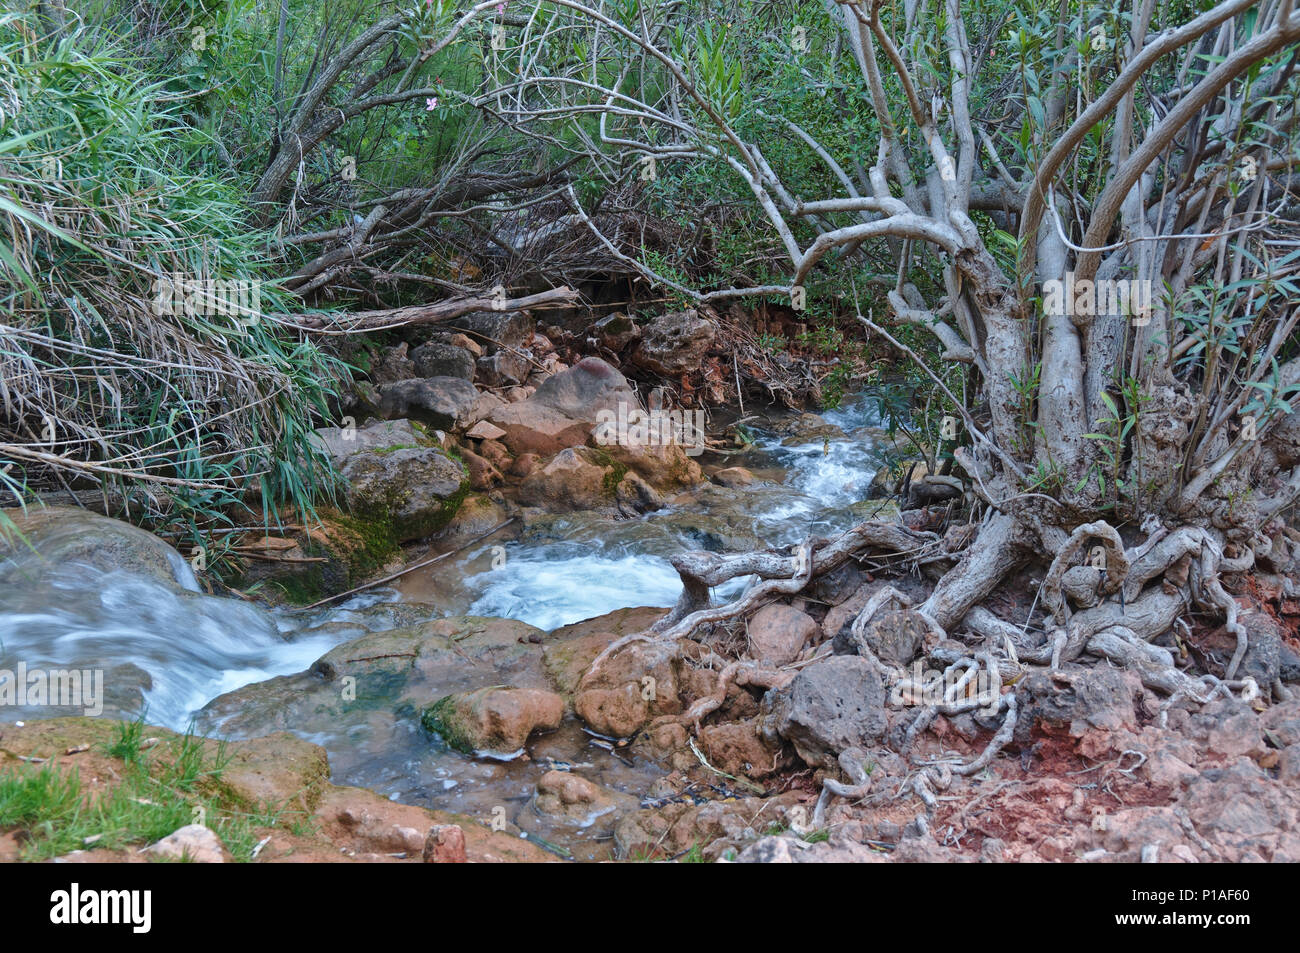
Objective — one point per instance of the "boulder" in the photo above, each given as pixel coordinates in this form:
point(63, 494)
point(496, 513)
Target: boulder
point(393, 365)
point(441, 359)
point(584, 390)
point(339, 443)
point(58, 536)
point(641, 681)
point(493, 719)
point(417, 490)
point(573, 480)
point(492, 329)
point(616, 331)
point(503, 368)
point(444, 844)
point(778, 633)
point(835, 704)
point(675, 343)
point(444, 403)
point(734, 477)
point(1078, 696)
point(532, 427)
point(483, 475)
point(573, 801)
point(739, 748)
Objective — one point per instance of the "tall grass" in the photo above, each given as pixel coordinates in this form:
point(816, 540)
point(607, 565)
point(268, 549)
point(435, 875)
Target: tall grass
point(103, 189)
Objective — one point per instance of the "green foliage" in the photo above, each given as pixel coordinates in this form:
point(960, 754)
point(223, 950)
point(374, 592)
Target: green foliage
point(110, 182)
point(159, 788)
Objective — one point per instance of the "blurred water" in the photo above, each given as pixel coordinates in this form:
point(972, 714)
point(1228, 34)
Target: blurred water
point(170, 649)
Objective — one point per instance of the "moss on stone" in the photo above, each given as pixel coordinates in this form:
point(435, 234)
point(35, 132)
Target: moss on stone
point(442, 718)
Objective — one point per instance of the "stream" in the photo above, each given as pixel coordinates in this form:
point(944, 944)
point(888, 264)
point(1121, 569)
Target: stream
point(558, 570)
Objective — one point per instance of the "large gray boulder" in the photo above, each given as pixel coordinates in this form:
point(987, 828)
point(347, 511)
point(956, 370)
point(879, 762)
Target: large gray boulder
point(339, 443)
point(442, 359)
point(494, 329)
point(835, 704)
point(444, 403)
point(586, 389)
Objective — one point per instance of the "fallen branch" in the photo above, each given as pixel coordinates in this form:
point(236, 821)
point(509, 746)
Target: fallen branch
point(357, 322)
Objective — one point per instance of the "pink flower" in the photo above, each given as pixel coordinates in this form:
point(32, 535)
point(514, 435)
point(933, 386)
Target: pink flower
point(501, 8)
point(431, 104)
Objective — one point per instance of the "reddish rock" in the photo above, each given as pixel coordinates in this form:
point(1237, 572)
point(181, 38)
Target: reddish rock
point(445, 844)
point(778, 633)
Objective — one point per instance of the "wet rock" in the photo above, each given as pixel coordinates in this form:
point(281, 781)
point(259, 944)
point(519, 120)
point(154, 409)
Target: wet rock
point(675, 343)
point(476, 516)
point(572, 800)
point(494, 718)
point(834, 704)
point(64, 535)
point(441, 359)
point(888, 480)
point(444, 844)
point(640, 681)
point(444, 403)
point(669, 469)
point(778, 633)
point(1081, 697)
point(194, 843)
point(634, 496)
point(378, 680)
point(808, 428)
point(574, 480)
point(734, 477)
point(616, 331)
point(417, 490)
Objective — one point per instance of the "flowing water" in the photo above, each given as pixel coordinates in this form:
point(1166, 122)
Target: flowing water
point(165, 647)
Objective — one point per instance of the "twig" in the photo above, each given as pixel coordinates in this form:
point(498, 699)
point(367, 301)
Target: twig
point(408, 569)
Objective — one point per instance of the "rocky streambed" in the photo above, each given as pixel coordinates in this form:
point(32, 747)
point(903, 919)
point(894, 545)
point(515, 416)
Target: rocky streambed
point(466, 695)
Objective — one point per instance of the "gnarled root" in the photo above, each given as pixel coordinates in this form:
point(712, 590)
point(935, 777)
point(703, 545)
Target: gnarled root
point(852, 762)
point(782, 575)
